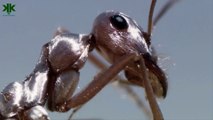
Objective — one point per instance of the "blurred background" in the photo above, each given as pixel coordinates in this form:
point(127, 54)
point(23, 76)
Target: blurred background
point(183, 39)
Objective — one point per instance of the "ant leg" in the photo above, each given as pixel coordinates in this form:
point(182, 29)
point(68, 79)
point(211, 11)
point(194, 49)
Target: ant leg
point(63, 88)
point(74, 111)
point(149, 92)
point(123, 84)
point(99, 81)
point(152, 22)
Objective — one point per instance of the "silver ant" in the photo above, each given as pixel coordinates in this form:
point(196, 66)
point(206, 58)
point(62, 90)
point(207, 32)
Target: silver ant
point(118, 38)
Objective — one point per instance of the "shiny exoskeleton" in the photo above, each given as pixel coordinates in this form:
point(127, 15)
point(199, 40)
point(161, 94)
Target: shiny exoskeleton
point(55, 77)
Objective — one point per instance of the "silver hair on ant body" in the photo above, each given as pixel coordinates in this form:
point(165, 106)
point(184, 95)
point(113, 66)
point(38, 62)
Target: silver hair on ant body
point(118, 38)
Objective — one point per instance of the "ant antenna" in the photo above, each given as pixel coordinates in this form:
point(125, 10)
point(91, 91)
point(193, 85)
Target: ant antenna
point(151, 11)
point(152, 22)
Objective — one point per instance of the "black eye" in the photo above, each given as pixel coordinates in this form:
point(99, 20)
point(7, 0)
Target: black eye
point(118, 22)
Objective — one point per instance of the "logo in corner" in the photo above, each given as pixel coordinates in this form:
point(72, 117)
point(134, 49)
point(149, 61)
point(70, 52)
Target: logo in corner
point(9, 8)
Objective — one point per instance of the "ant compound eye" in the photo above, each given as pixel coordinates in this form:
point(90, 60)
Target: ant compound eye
point(118, 22)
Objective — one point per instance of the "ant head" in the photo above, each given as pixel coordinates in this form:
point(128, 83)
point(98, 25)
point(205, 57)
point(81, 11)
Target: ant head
point(120, 33)
point(116, 35)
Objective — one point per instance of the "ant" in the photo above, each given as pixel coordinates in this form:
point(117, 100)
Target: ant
point(118, 38)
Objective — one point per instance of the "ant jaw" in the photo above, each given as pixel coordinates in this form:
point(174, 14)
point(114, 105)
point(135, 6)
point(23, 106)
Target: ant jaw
point(157, 76)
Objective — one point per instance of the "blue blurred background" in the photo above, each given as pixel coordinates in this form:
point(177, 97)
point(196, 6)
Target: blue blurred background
point(183, 38)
